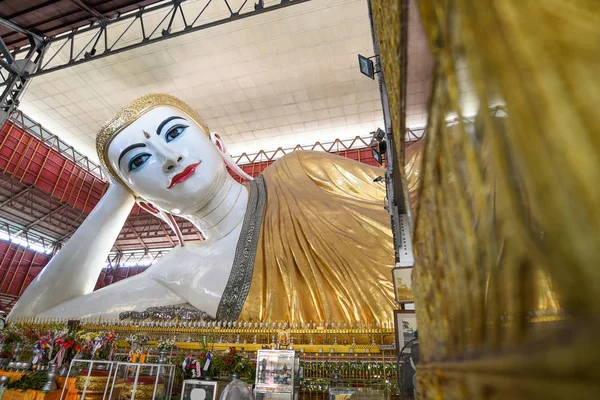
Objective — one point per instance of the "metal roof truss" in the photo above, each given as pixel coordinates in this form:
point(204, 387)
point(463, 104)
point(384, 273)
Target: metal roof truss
point(99, 45)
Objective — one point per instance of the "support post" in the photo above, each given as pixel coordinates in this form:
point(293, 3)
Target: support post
point(16, 73)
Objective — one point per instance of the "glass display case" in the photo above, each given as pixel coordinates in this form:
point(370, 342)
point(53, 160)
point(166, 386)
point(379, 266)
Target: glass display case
point(92, 379)
point(277, 374)
point(142, 381)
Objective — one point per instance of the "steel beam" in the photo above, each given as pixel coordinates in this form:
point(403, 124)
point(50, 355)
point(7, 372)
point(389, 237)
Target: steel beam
point(41, 219)
point(135, 232)
point(16, 72)
point(98, 46)
point(7, 301)
point(90, 10)
point(33, 238)
point(17, 195)
point(17, 28)
point(37, 7)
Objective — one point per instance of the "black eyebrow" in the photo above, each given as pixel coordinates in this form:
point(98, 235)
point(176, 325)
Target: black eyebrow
point(133, 146)
point(166, 121)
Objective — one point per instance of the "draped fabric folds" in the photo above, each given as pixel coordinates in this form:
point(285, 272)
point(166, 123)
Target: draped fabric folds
point(325, 250)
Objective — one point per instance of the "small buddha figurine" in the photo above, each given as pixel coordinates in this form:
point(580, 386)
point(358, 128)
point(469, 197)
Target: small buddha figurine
point(307, 240)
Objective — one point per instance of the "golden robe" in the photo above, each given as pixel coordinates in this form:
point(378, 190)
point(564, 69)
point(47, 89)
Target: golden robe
point(325, 249)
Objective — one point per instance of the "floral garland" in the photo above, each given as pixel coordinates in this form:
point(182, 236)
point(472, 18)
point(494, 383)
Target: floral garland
point(138, 351)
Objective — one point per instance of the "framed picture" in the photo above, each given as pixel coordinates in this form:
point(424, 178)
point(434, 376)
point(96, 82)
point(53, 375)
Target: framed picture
point(405, 325)
point(194, 389)
point(402, 278)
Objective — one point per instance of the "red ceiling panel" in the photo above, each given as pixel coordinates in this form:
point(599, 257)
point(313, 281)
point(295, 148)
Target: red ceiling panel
point(18, 267)
point(25, 158)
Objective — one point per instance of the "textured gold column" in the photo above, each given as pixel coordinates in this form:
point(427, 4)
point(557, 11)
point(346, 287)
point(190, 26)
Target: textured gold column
point(386, 17)
point(507, 232)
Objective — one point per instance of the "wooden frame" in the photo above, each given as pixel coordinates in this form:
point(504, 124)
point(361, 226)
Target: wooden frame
point(404, 319)
point(402, 279)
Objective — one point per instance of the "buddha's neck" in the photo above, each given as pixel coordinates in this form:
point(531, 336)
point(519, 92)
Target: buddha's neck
point(223, 213)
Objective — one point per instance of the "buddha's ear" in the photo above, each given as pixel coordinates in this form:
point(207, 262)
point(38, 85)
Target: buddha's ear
point(220, 145)
point(165, 216)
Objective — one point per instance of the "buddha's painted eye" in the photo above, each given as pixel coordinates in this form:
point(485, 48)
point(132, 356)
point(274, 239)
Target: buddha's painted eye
point(138, 161)
point(175, 132)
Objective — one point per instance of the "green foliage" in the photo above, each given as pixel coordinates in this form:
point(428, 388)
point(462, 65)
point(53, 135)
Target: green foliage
point(179, 373)
point(222, 363)
point(11, 333)
point(32, 381)
point(217, 365)
point(246, 369)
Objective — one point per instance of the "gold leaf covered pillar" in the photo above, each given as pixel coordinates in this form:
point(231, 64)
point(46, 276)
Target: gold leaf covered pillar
point(507, 233)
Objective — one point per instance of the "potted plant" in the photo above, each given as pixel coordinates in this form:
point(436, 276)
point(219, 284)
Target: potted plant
point(232, 364)
point(164, 347)
point(9, 336)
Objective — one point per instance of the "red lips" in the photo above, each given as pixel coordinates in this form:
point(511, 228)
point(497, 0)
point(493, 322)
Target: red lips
point(183, 175)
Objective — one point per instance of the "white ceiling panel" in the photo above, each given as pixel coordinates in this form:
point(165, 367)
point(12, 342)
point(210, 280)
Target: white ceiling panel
point(282, 78)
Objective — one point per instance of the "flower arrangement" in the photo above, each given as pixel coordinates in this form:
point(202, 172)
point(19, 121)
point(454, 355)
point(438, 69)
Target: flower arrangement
point(33, 333)
point(65, 343)
point(236, 364)
point(105, 346)
point(191, 368)
point(41, 337)
point(246, 369)
point(232, 360)
point(165, 344)
point(12, 333)
point(44, 338)
point(210, 363)
point(95, 345)
point(84, 345)
point(44, 348)
point(9, 335)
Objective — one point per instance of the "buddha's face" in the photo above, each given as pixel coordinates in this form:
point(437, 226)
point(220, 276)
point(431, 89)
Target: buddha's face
point(167, 159)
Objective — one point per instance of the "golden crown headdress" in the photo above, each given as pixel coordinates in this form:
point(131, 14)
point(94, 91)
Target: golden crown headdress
point(130, 113)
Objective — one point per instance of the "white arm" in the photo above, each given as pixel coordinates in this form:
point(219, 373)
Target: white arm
point(74, 270)
point(136, 293)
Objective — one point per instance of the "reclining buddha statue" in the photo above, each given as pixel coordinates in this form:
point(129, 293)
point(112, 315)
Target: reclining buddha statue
point(307, 240)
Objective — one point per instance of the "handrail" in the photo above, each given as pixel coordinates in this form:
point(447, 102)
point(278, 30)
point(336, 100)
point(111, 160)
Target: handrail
point(23, 121)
